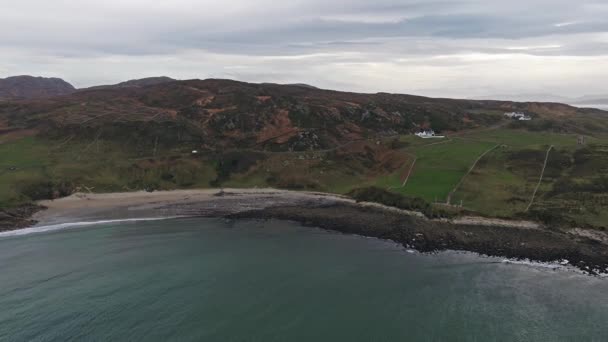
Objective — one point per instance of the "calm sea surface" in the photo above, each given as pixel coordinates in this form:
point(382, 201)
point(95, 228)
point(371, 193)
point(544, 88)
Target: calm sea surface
point(212, 280)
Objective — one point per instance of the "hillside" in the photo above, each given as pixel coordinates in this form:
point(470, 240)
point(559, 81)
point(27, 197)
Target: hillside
point(289, 136)
point(29, 87)
point(142, 82)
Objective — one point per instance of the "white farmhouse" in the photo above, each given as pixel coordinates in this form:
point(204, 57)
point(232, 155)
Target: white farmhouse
point(429, 134)
point(515, 115)
point(518, 116)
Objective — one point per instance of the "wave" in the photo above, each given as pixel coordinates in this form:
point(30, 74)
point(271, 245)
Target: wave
point(525, 262)
point(563, 265)
point(61, 226)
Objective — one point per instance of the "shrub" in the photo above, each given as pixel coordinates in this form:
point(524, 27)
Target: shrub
point(391, 199)
point(46, 189)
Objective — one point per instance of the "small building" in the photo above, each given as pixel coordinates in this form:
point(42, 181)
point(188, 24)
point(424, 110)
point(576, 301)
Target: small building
point(429, 134)
point(518, 116)
point(515, 115)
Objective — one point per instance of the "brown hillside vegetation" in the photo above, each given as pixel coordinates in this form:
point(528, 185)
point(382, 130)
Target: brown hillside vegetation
point(236, 114)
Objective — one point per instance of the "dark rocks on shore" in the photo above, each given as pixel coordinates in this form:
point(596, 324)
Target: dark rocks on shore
point(431, 236)
point(18, 217)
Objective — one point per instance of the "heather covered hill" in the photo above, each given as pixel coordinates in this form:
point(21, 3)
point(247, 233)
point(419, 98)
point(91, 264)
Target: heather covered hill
point(229, 114)
point(142, 82)
point(29, 87)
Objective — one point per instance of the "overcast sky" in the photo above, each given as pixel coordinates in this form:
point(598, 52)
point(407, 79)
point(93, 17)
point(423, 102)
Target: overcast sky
point(455, 48)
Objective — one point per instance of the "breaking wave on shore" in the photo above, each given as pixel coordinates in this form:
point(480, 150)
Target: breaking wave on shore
point(68, 225)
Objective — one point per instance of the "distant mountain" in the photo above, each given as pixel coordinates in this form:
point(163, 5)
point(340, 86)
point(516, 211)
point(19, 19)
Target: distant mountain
point(590, 101)
point(539, 97)
point(29, 87)
point(137, 83)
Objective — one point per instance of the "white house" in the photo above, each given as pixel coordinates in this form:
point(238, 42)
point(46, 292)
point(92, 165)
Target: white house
point(515, 115)
point(428, 134)
point(518, 116)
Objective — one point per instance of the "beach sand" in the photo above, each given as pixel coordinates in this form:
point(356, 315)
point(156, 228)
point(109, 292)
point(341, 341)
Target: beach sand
point(177, 203)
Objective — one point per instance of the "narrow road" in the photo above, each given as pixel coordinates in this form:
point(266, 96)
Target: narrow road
point(540, 180)
point(468, 172)
point(409, 173)
point(407, 177)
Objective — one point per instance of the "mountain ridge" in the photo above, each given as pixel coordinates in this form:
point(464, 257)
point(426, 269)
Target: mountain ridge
point(29, 87)
point(134, 83)
point(234, 113)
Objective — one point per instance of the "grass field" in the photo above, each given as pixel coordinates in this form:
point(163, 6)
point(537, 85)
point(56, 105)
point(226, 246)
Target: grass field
point(441, 166)
point(497, 186)
point(503, 183)
point(495, 189)
point(527, 139)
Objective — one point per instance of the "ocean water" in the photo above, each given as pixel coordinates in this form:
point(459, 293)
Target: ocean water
point(216, 280)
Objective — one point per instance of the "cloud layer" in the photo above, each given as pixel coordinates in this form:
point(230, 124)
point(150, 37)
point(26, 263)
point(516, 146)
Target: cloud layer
point(460, 48)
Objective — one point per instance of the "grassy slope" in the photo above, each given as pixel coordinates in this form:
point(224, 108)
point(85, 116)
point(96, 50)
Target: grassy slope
point(31, 161)
point(500, 185)
point(30, 157)
point(440, 167)
point(504, 181)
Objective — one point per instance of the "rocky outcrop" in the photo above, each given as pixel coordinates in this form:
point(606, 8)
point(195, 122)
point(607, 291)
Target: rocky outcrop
point(18, 217)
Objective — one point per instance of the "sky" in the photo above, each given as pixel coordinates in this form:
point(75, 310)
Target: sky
point(449, 48)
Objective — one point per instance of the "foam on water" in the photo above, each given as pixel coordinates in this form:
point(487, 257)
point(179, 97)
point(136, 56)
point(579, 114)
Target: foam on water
point(61, 226)
point(562, 265)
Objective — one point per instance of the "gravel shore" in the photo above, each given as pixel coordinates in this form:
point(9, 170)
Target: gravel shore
point(493, 237)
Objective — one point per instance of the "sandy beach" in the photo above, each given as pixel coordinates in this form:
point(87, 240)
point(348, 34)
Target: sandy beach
point(212, 202)
point(177, 203)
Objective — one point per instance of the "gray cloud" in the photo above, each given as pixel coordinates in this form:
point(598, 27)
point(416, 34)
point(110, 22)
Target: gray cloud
point(449, 48)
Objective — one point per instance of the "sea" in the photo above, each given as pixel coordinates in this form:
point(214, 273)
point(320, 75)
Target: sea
point(249, 280)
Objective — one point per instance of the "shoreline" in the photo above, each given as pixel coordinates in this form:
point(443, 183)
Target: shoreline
point(517, 240)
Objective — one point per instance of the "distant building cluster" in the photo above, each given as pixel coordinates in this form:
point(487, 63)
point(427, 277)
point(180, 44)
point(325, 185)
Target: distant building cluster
point(427, 134)
point(518, 116)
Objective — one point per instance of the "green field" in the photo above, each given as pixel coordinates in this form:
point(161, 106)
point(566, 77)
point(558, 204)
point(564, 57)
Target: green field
point(527, 139)
point(497, 186)
point(440, 167)
point(496, 189)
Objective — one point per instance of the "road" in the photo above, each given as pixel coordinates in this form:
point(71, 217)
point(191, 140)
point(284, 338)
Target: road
point(540, 180)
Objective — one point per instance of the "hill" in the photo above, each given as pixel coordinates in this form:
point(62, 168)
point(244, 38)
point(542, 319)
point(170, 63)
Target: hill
point(142, 82)
point(212, 133)
point(230, 114)
point(590, 101)
point(29, 87)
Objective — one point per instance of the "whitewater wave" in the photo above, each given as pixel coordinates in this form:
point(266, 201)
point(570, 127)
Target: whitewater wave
point(61, 226)
point(563, 265)
point(550, 265)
